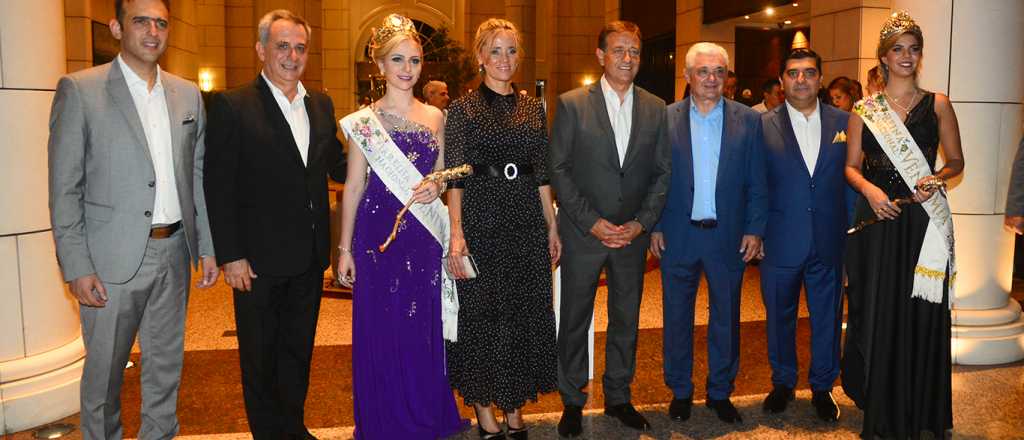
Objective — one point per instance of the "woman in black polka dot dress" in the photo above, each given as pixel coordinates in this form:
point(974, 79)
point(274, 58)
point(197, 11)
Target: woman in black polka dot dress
point(503, 216)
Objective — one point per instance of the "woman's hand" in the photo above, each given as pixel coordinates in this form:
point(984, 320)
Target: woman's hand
point(884, 208)
point(346, 269)
point(426, 192)
point(921, 194)
point(456, 250)
point(554, 245)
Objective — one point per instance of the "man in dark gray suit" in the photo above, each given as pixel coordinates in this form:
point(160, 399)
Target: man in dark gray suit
point(610, 164)
point(1015, 197)
point(128, 213)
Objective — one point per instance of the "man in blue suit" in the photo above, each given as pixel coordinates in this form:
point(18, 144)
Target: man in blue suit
point(712, 223)
point(805, 156)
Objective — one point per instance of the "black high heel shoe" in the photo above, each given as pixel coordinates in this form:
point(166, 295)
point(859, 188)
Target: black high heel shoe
point(484, 434)
point(517, 433)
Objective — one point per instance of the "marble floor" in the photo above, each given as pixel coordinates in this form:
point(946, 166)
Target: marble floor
point(988, 401)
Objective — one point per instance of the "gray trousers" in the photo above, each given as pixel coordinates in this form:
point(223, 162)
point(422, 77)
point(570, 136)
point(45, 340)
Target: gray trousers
point(581, 270)
point(151, 304)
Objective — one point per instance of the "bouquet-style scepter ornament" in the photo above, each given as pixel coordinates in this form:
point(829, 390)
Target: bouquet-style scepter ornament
point(931, 185)
point(438, 177)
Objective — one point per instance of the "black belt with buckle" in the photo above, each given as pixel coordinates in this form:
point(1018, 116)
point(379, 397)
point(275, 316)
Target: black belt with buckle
point(708, 223)
point(509, 170)
point(159, 232)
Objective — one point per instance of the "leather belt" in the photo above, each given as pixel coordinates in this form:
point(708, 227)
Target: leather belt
point(159, 232)
point(509, 170)
point(708, 223)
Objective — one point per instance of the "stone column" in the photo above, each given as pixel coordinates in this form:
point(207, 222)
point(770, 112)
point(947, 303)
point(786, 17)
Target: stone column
point(980, 70)
point(212, 42)
point(524, 14)
point(845, 34)
point(41, 351)
point(690, 29)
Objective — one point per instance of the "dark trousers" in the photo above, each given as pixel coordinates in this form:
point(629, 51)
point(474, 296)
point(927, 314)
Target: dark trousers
point(780, 289)
point(680, 277)
point(276, 324)
point(581, 269)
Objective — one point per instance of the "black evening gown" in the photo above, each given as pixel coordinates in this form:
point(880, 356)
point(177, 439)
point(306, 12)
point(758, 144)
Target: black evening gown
point(896, 363)
point(505, 354)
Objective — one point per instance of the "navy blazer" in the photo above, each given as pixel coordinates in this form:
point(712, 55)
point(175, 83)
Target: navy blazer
point(805, 211)
point(740, 193)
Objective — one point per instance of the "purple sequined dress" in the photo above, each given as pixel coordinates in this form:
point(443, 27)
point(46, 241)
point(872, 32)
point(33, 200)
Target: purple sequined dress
point(399, 381)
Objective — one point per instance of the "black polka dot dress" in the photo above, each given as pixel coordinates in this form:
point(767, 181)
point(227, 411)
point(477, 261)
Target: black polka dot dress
point(506, 353)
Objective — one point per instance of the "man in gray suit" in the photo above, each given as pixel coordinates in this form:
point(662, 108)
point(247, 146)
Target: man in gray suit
point(1014, 221)
point(610, 163)
point(128, 215)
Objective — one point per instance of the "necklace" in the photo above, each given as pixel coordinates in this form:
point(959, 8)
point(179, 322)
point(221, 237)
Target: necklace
point(896, 103)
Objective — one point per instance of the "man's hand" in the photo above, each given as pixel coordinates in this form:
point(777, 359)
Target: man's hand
point(208, 266)
point(657, 243)
point(89, 291)
point(629, 231)
point(609, 234)
point(1014, 224)
point(238, 274)
point(750, 247)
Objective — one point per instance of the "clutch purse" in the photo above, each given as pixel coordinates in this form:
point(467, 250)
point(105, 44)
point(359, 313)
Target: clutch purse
point(468, 266)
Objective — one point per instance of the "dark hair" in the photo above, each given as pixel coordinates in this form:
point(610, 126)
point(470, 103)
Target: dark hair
point(617, 26)
point(119, 8)
point(768, 85)
point(799, 54)
point(848, 86)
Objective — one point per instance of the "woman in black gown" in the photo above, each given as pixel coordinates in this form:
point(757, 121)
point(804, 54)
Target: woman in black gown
point(503, 214)
point(896, 363)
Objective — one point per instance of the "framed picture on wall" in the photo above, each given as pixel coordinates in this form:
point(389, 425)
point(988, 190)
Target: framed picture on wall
point(104, 46)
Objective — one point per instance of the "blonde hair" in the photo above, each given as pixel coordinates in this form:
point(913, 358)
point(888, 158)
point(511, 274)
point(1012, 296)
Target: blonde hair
point(488, 30)
point(886, 44)
point(393, 31)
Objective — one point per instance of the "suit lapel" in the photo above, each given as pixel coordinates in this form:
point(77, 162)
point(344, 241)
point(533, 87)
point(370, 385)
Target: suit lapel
point(175, 113)
point(726, 147)
point(282, 132)
point(827, 133)
point(681, 136)
point(601, 112)
point(635, 124)
point(785, 126)
point(314, 128)
point(117, 87)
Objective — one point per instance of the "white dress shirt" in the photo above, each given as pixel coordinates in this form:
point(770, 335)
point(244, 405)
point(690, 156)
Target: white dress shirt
point(620, 114)
point(295, 113)
point(151, 105)
point(807, 130)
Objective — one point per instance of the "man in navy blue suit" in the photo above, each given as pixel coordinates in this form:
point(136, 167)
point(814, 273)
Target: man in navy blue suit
point(712, 223)
point(805, 156)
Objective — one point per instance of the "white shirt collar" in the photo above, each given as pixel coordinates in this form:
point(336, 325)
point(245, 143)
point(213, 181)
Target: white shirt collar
point(134, 79)
point(797, 115)
point(300, 91)
point(610, 93)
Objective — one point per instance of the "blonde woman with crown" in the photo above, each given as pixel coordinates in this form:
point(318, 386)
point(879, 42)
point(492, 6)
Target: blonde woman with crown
point(399, 383)
point(896, 363)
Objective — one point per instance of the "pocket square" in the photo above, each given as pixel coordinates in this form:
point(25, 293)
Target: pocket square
point(840, 137)
point(189, 118)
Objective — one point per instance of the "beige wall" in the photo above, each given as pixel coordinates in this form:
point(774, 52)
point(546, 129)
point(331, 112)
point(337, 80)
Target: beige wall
point(690, 29)
point(845, 34)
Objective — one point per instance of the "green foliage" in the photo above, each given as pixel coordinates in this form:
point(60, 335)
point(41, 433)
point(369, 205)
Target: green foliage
point(454, 65)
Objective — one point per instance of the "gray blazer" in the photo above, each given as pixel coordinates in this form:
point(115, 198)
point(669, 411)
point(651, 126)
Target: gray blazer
point(101, 174)
point(585, 170)
point(1015, 196)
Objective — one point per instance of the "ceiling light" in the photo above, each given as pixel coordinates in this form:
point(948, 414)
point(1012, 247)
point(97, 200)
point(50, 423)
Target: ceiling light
point(746, 17)
point(796, 4)
point(788, 22)
point(769, 11)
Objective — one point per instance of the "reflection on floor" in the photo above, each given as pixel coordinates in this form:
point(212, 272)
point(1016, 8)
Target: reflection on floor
point(988, 401)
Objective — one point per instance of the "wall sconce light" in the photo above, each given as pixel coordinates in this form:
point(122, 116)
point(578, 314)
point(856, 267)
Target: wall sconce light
point(205, 80)
point(587, 80)
point(800, 41)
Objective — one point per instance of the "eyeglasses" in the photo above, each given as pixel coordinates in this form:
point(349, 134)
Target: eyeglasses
point(704, 73)
point(620, 53)
point(146, 22)
point(809, 73)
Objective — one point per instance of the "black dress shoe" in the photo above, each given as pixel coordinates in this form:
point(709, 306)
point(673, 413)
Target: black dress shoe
point(518, 433)
point(679, 409)
point(628, 416)
point(825, 406)
point(725, 411)
point(571, 424)
point(304, 436)
point(487, 435)
point(778, 399)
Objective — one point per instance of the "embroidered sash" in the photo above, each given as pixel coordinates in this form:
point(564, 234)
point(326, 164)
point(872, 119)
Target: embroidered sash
point(937, 255)
point(365, 131)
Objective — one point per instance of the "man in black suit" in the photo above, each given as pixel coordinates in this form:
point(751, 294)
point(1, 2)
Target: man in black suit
point(610, 164)
point(271, 144)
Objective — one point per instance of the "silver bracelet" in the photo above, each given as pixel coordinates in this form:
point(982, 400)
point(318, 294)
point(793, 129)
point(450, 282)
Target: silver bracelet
point(345, 250)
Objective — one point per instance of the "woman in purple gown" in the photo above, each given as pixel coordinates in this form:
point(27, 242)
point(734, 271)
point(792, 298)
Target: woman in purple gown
point(400, 386)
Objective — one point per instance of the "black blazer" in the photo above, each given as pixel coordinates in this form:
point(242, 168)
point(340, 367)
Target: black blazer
point(264, 204)
point(584, 164)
